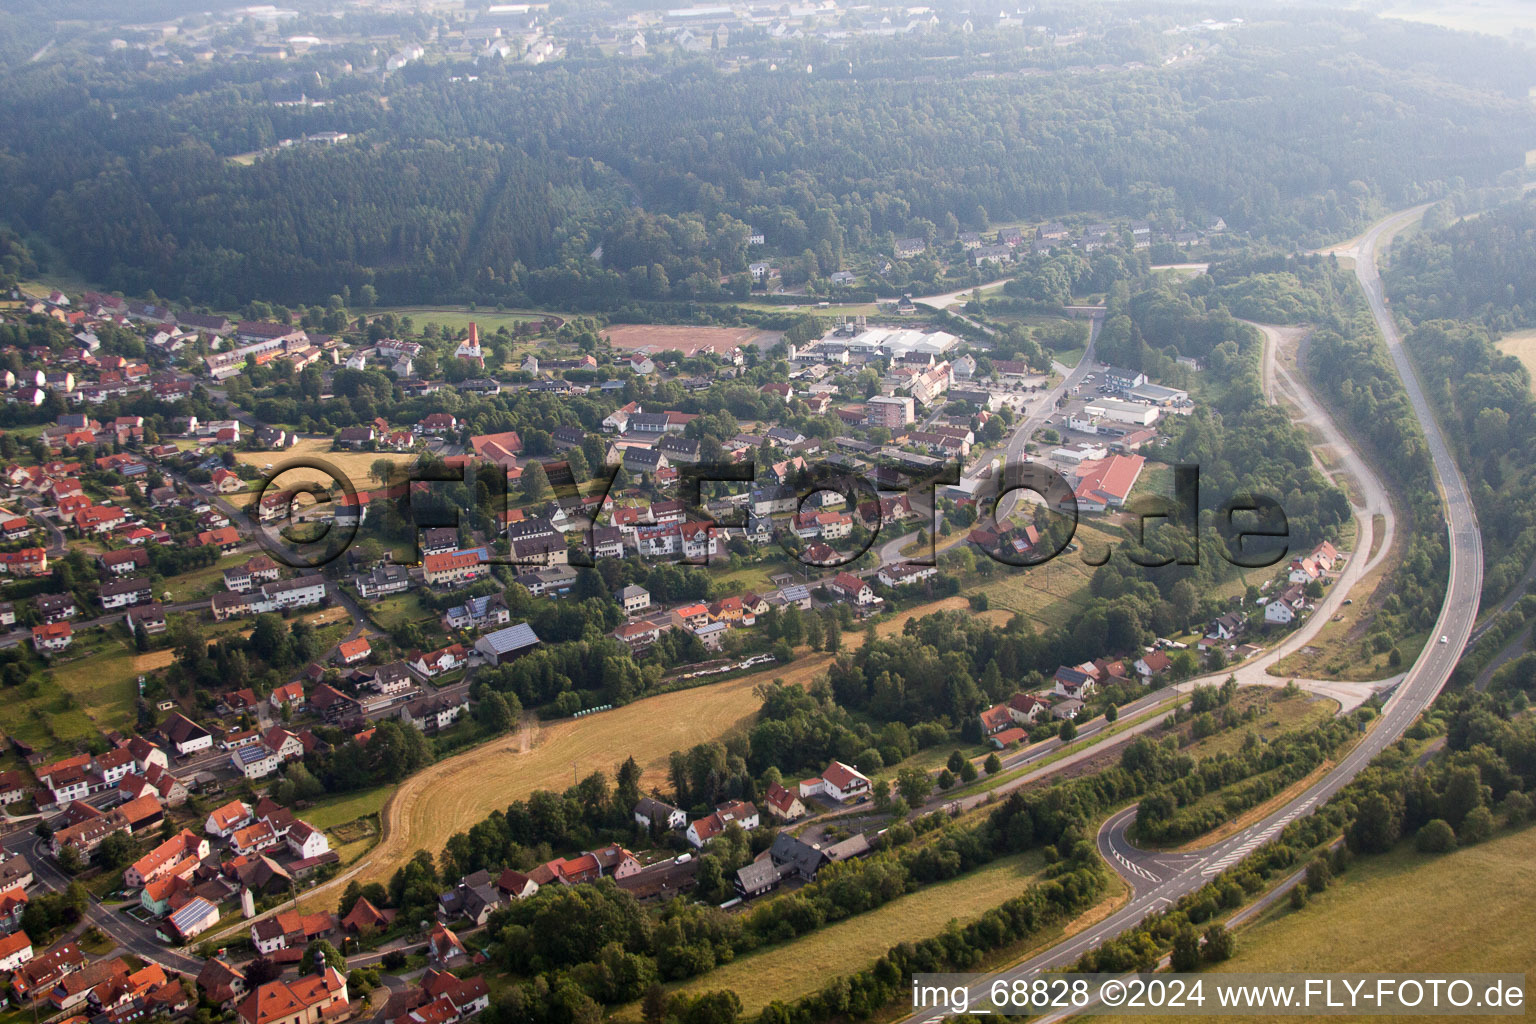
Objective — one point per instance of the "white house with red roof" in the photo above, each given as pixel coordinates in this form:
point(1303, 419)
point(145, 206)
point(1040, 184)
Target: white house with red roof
point(288, 693)
point(839, 781)
point(1304, 570)
point(350, 652)
point(226, 481)
point(1026, 710)
point(438, 423)
point(737, 812)
point(437, 662)
point(849, 587)
point(223, 821)
point(1151, 664)
point(995, 719)
point(1326, 556)
point(700, 541)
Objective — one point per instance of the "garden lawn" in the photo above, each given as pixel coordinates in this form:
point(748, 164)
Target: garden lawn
point(346, 808)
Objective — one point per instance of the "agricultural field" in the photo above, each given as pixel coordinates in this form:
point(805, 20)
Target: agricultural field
point(356, 465)
point(1406, 912)
point(458, 318)
point(780, 971)
point(539, 756)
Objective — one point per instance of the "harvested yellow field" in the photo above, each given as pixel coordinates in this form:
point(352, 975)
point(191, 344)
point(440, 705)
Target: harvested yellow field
point(153, 660)
point(356, 465)
point(421, 815)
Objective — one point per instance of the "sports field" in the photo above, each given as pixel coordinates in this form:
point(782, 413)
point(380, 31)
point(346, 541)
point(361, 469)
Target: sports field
point(687, 339)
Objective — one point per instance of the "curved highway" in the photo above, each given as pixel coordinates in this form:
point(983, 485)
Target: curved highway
point(1154, 885)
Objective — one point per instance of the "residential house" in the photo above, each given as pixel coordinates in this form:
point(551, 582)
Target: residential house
point(51, 637)
point(650, 810)
point(737, 812)
point(783, 804)
point(839, 782)
point(185, 735)
point(1153, 663)
point(1072, 682)
point(15, 950)
point(851, 588)
point(634, 599)
point(309, 1000)
point(223, 821)
point(177, 855)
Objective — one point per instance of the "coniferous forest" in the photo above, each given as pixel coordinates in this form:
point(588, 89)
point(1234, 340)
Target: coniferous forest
point(499, 182)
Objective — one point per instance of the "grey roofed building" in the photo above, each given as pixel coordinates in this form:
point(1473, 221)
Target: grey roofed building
point(647, 422)
point(643, 458)
point(505, 644)
point(1069, 708)
point(383, 579)
point(856, 845)
point(758, 877)
point(653, 811)
point(568, 437)
point(480, 900)
point(792, 856)
point(537, 549)
point(537, 526)
point(684, 449)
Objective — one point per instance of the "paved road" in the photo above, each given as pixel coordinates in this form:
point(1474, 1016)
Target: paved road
point(1420, 684)
point(1014, 454)
point(943, 302)
point(1142, 869)
point(1374, 501)
point(129, 935)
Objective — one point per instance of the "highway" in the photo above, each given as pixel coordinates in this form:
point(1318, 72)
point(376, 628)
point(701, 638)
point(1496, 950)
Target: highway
point(1155, 885)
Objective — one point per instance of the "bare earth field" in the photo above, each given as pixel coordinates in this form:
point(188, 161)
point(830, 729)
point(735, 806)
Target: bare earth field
point(454, 794)
point(689, 340)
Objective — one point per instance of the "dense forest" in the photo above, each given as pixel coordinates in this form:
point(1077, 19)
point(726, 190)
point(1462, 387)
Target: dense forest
point(502, 188)
point(1460, 284)
point(1480, 267)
